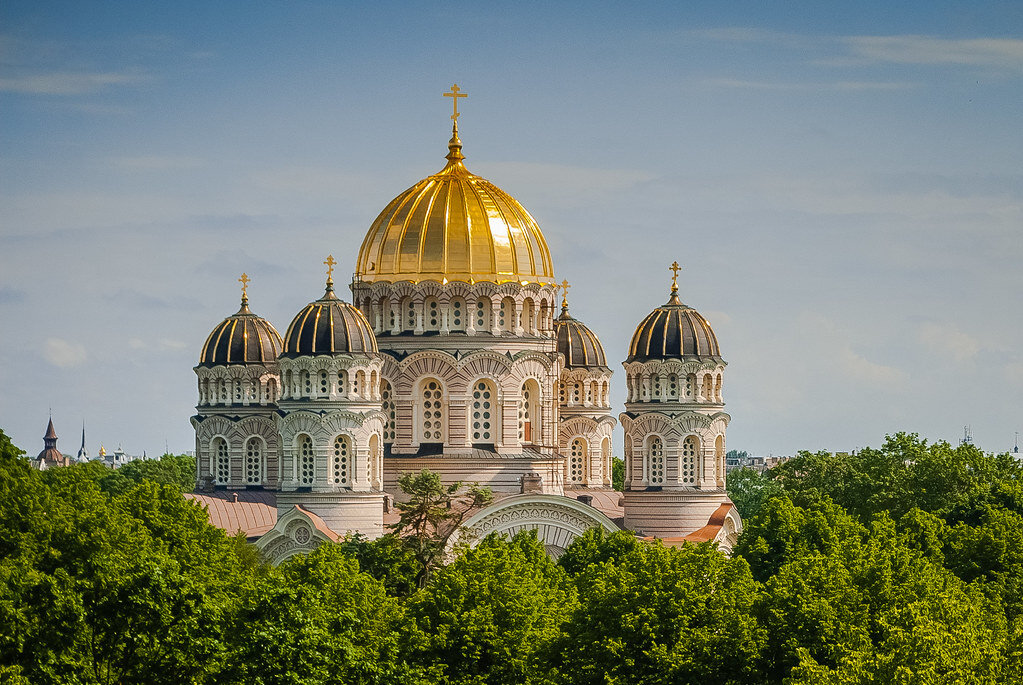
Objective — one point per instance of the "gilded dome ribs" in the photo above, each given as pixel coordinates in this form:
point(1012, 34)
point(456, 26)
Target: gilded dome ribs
point(454, 225)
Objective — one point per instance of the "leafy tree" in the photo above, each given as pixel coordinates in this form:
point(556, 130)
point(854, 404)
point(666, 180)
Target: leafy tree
point(388, 559)
point(651, 614)
point(177, 470)
point(101, 588)
point(749, 489)
point(431, 515)
point(316, 619)
point(484, 616)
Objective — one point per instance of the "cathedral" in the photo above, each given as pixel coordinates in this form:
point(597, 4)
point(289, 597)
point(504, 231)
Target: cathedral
point(452, 356)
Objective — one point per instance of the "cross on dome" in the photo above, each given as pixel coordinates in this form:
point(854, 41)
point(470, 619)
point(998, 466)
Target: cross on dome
point(330, 262)
point(564, 293)
point(454, 94)
point(244, 280)
point(674, 268)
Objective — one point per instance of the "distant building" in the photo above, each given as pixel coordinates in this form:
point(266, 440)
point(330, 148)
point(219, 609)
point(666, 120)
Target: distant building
point(757, 463)
point(50, 456)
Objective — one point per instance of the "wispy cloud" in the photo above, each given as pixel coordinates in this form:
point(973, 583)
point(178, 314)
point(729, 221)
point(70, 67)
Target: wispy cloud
point(1005, 53)
point(67, 82)
point(792, 86)
point(156, 162)
point(62, 353)
point(949, 341)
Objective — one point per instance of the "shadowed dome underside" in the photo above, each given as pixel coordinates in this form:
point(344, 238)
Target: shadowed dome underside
point(243, 338)
point(673, 331)
point(578, 343)
point(455, 225)
point(329, 326)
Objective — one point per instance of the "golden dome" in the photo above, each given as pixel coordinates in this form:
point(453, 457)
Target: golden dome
point(455, 225)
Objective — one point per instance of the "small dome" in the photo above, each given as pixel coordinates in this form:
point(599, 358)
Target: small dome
point(672, 331)
point(242, 338)
point(454, 225)
point(578, 343)
point(329, 326)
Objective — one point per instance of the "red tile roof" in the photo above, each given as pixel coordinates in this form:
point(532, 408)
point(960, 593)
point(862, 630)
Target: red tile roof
point(253, 512)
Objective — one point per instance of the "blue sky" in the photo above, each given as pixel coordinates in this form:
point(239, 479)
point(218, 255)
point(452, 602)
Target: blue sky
point(841, 182)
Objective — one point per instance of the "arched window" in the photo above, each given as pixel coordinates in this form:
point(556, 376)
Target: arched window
point(528, 324)
point(576, 461)
point(222, 390)
point(432, 310)
point(433, 411)
point(306, 460)
point(221, 461)
point(483, 315)
point(603, 394)
point(687, 470)
point(342, 383)
point(717, 388)
point(708, 387)
point(307, 384)
point(577, 393)
point(719, 459)
point(324, 383)
point(656, 388)
point(238, 391)
point(254, 461)
point(271, 390)
point(507, 315)
point(456, 310)
point(358, 383)
point(529, 413)
point(483, 403)
point(690, 385)
point(391, 314)
point(562, 393)
point(655, 460)
point(388, 408)
point(410, 314)
point(340, 460)
point(673, 386)
point(542, 323)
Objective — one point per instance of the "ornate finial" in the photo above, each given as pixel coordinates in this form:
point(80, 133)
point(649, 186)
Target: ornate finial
point(455, 155)
point(244, 280)
point(564, 294)
point(330, 262)
point(454, 95)
point(674, 268)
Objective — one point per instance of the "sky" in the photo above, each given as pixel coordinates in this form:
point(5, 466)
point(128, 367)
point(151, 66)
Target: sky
point(841, 183)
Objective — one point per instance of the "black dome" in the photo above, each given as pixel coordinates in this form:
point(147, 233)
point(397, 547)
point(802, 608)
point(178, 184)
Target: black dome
point(329, 326)
point(672, 331)
point(578, 343)
point(243, 338)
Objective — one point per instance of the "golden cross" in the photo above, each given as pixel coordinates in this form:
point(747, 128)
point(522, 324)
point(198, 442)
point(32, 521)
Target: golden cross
point(564, 293)
point(244, 280)
point(330, 262)
point(674, 268)
point(454, 95)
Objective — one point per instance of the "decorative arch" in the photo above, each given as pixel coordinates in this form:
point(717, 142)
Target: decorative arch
point(557, 520)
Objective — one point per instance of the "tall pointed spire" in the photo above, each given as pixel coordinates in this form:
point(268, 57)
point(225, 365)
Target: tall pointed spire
point(83, 453)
